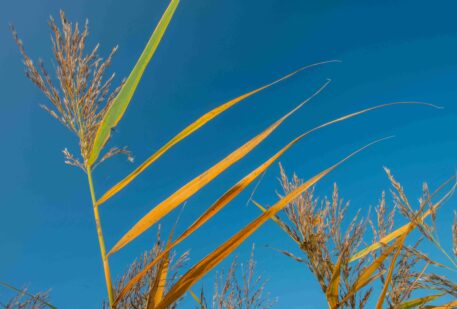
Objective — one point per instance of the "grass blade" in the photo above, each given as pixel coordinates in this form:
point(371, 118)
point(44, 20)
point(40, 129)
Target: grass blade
point(215, 257)
point(233, 192)
point(419, 301)
point(390, 273)
point(195, 297)
point(199, 182)
point(122, 100)
point(158, 288)
point(191, 129)
point(451, 305)
point(332, 290)
point(230, 195)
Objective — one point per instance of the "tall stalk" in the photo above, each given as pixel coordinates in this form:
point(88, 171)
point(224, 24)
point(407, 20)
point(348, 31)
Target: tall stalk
point(101, 240)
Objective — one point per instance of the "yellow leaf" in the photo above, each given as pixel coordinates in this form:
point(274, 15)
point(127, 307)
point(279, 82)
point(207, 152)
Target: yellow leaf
point(332, 290)
point(230, 195)
point(191, 129)
point(215, 257)
point(419, 301)
point(390, 273)
point(199, 182)
point(158, 287)
point(451, 305)
point(369, 271)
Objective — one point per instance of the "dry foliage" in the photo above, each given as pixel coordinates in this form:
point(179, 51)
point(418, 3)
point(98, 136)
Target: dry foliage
point(233, 292)
point(82, 101)
point(25, 300)
point(138, 296)
point(316, 226)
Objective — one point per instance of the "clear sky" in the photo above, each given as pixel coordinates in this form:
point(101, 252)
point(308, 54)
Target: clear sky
point(212, 52)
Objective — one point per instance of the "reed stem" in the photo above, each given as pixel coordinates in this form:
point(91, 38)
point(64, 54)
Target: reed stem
point(101, 240)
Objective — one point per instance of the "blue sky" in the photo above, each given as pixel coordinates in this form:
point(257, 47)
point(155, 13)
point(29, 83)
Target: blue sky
point(214, 51)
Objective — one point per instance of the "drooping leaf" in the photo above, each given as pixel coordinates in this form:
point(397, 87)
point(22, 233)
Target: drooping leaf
point(122, 100)
point(215, 257)
point(199, 182)
point(200, 122)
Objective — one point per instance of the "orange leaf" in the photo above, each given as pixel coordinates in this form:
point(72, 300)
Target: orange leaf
point(215, 257)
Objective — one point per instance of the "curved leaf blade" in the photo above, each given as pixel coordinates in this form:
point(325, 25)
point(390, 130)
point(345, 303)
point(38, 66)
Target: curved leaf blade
point(232, 193)
point(189, 189)
point(190, 129)
point(215, 257)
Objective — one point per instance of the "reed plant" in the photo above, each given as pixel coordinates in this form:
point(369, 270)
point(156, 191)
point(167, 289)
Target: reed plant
point(85, 102)
point(388, 272)
point(233, 290)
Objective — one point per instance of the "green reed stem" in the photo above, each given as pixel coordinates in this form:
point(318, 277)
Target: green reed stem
point(101, 240)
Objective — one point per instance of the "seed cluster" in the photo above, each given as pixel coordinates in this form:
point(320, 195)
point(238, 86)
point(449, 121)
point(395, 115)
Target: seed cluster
point(79, 93)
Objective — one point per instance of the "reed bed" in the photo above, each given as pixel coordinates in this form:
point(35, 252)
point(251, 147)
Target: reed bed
point(85, 102)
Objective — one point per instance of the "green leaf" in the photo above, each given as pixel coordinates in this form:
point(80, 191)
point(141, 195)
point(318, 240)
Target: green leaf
point(122, 100)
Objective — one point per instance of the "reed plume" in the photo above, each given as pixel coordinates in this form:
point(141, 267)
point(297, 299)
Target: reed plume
point(348, 275)
point(79, 93)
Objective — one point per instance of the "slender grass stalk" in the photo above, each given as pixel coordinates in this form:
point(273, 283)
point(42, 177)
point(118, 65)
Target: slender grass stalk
point(23, 292)
point(101, 240)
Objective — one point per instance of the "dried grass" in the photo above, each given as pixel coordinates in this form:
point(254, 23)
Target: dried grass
point(316, 226)
point(26, 300)
point(232, 292)
point(137, 296)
